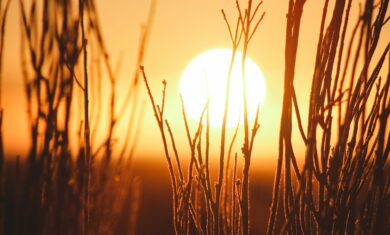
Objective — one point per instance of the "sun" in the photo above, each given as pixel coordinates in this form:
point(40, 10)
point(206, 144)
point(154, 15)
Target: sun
point(204, 80)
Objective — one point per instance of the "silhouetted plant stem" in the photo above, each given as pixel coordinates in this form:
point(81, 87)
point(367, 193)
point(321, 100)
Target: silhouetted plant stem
point(340, 172)
point(3, 18)
point(87, 170)
point(285, 148)
point(222, 149)
point(52, 41)
point(158, 113)
point(247, 20)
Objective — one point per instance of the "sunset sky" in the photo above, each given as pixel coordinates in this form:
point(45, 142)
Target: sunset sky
point(181, 30)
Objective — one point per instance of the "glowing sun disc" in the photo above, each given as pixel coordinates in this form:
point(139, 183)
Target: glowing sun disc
point(205, 79)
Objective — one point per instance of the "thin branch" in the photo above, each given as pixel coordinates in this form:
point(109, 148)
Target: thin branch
point(75, 77)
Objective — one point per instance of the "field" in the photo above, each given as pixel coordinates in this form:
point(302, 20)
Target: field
point(235, 117)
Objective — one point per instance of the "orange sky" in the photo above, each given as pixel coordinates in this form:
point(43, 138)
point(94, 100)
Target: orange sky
point(181, 30)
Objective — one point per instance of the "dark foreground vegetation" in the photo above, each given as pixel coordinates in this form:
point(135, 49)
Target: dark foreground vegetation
point(89, 186)
point(68, 185)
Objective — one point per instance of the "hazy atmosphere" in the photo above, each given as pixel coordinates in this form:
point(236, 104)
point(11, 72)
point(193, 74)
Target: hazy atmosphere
point(194, 117)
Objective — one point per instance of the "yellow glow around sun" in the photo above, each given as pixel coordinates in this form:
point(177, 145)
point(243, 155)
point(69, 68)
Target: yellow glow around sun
point(205, 78)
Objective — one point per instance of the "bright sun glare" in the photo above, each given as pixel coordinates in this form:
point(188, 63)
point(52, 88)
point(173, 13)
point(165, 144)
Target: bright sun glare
point(205, 78)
